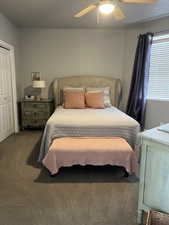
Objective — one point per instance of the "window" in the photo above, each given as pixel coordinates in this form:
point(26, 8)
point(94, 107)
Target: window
point(159, 68)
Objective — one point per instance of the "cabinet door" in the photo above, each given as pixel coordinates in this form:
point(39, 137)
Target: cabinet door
point(156, 189)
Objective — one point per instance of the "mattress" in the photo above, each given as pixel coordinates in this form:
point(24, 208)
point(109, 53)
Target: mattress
point(108, 122)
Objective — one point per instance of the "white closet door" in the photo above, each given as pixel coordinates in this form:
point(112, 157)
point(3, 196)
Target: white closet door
point(6, 106)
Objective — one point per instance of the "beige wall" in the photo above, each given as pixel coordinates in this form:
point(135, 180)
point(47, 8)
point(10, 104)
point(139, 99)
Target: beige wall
point(64, 52)
point(9, 33)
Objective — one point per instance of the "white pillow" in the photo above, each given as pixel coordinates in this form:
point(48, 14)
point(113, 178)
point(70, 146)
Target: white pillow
point(73, 89)
point(107, 102)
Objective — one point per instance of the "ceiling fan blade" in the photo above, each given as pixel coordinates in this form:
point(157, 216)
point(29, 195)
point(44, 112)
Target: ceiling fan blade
point(138, 1)
point(85, 11)
point(118, 13)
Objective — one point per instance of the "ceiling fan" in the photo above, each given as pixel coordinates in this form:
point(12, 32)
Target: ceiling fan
point(110, 6)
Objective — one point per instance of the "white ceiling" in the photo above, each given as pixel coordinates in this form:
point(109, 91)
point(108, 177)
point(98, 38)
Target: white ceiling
point(59, 13)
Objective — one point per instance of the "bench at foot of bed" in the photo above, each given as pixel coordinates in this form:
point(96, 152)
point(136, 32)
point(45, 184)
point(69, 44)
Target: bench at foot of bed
point(90, 151)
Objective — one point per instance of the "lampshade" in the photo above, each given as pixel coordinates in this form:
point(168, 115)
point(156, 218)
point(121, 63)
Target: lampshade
point(38, 84)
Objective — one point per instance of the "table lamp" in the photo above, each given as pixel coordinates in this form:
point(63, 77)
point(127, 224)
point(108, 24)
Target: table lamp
point(38, 84)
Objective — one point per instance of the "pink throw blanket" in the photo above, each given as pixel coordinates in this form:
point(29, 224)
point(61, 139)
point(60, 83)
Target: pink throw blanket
point(90, 151)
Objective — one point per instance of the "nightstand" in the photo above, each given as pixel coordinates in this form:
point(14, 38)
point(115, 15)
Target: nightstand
point(34, 114)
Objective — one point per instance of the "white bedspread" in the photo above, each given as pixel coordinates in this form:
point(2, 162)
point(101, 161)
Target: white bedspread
point(91, 117)
point(88, 122)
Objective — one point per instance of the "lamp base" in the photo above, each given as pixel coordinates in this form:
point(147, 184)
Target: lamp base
point(38, 98)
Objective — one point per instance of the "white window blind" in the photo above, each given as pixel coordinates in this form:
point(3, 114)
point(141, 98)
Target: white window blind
point(159, 68)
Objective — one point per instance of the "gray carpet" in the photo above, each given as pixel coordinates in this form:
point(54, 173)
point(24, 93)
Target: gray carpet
point(76, 196)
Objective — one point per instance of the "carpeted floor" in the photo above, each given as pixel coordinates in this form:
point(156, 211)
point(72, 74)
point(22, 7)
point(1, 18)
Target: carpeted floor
point(76, 196)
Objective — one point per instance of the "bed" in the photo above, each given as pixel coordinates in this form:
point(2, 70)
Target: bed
point(108, 122)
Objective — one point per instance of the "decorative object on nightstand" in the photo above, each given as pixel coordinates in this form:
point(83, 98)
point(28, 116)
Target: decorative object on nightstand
point(34, 113)
point(38, 84)
point(154, 171)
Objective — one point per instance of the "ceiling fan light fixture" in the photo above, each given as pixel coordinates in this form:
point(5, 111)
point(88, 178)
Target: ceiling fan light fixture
point(106, 7)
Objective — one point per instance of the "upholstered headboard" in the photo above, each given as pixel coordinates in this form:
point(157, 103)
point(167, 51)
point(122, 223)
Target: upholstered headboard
point(87, 81)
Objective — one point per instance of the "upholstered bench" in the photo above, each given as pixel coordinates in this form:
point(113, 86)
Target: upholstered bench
point(90, 151)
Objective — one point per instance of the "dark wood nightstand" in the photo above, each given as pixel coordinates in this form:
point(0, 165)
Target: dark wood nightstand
point(34, 114)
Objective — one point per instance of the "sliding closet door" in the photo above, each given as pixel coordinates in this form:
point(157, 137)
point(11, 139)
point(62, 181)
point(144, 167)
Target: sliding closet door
point(6, 106)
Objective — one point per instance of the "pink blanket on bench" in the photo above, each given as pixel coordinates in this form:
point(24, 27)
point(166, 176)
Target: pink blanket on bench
point(90, 151)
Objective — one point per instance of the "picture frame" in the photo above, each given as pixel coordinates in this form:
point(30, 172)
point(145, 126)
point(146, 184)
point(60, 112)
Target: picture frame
point(35, 76)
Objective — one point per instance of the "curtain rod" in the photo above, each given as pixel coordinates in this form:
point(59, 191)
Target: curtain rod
point(162, 31)
point(158, 32)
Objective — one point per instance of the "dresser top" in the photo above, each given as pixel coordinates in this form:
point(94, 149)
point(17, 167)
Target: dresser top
point(158, 134)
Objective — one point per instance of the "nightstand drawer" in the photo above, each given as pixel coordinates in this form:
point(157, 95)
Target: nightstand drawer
point(42, 115)
point(35, 113)
point(28, 114)
point(31, 106)
point(34, 123)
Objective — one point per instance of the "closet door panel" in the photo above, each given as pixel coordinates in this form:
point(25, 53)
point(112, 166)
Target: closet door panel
point(6, 106)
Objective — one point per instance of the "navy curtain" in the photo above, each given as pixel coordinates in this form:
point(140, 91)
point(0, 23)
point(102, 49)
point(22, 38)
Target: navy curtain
point(136, 104)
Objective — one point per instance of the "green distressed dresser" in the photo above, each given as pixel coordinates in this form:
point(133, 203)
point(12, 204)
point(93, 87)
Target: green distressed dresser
point(34, 114)
point(154, 171)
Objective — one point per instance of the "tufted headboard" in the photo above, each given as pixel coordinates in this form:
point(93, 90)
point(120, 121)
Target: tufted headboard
point(87, 81)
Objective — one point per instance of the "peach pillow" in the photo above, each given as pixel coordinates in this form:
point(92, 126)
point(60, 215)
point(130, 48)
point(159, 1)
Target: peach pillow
point(74, 99)
point(95, 99)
